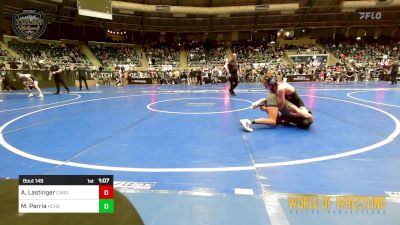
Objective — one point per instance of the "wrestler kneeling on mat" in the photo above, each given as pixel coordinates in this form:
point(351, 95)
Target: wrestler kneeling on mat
point(30, 83)
point(288, 114)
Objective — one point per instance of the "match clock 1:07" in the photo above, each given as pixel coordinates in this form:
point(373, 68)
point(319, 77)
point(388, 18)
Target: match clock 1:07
point(104, 180)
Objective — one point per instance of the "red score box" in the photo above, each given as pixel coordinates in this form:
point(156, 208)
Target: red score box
point(106, 191)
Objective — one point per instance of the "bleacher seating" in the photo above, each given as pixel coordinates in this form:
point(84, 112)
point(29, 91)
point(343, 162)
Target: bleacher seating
point(118, 54)
point(38, 54)
point(255, 51)
point(212, 53)
point(163, 54)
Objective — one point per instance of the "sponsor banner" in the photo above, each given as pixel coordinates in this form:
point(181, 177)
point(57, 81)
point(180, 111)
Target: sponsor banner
point(126, 186)
point(300, 78)
point(314, 60)
point(139, 80)
point(166, 67)
point(259, 65)
point(102, 75)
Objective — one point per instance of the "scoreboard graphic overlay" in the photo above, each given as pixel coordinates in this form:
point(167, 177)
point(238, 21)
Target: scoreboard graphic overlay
point(66, 194)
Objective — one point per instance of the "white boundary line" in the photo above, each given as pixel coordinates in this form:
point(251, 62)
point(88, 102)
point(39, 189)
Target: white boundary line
point(274, 209)
point(36, 106)
point(11, 148)
point(363, 100)
point(197, 113)
point(349, 89)
point(23, 92)
point(244, 90)
point(387, 140)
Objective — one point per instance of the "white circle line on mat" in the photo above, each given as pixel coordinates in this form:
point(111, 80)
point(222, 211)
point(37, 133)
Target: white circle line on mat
point(149, 106)
point(20, 152)
point(350, 95)
point(36, 106)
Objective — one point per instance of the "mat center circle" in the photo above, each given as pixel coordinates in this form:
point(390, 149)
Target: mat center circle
point(196, 106)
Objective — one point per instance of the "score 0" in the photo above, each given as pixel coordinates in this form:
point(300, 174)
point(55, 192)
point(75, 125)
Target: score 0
point(106, 198)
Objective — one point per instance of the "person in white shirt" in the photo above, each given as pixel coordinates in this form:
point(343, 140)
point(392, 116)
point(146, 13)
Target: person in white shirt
point(30, 83)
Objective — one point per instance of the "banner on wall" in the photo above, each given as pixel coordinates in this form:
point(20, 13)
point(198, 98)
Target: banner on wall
point(300, 78)
point(29, 23)
point(259, 65)
point(139, 80)
point(166, 67)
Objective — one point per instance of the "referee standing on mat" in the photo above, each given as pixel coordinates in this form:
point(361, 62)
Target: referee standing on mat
point(233, 70)
point(82, 72)
point(55, 71)
point(394, 71)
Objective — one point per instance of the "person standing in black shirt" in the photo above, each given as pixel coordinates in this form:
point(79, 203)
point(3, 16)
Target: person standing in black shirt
point(199, 77)
point(233, 70)
point(55, 71)
point(192, 75)
point(4, 81)
point(13, 64)
point(82, 72)
point(393, 73)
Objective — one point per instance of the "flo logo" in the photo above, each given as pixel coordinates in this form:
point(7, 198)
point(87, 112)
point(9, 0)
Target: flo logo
point(370, 15)
point(29, 24)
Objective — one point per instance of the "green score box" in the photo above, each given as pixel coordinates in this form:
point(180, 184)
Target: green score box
point(106, 206)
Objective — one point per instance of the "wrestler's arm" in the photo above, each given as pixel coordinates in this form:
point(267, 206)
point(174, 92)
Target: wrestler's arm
point(280, 94)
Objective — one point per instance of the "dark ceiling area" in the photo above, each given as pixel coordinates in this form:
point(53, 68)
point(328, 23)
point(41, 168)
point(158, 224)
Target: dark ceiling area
point(312, 14)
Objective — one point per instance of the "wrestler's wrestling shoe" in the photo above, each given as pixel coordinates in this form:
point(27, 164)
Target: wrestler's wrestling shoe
point(40, 96)
point(30, 95)
point(246, 124)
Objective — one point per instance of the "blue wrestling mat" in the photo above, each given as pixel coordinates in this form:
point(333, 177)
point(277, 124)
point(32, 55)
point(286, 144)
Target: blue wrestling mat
point(179, 152)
